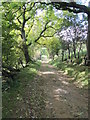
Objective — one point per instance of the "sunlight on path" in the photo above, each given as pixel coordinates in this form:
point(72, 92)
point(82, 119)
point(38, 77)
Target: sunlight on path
point(63, 99)
point(50, 94)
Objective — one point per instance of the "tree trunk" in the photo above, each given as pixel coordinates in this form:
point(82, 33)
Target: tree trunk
point(53, 56)
point(74, 50)
point(65, 56)
point(88, 41)
point(79, 50)
point(26, 54)
point(68, 52)
point(20, 62)
point(62, 55)
point(71, 55)
point(57, 53)
point(25, 47)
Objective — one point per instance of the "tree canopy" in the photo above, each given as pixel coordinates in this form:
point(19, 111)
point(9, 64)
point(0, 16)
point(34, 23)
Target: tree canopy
point(52, 24)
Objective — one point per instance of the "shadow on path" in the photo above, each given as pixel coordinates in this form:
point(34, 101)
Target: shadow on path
point(62, 98)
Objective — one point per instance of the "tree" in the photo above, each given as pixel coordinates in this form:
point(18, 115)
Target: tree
point(75, 8)
point(9, 45)
point(24, 17)
point(53, 45)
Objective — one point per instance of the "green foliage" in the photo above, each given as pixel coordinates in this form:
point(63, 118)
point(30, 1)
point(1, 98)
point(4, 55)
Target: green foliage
point(8, 43)
point(12, 46)
point(53, 45)
point(79, 73)
point(39, 15)
point(44, 51)
point(10, 97)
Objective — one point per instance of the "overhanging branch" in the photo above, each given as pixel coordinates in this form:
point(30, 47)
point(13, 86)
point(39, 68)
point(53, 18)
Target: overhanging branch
point(67, 6)
point(80, 8)
point(41, 34)
point(45, 27)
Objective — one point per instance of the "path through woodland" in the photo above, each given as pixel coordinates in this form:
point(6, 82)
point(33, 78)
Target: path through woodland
point(52, 95)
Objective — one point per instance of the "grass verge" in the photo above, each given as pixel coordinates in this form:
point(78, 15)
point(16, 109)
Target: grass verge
point(80, 73)
point(12, 96)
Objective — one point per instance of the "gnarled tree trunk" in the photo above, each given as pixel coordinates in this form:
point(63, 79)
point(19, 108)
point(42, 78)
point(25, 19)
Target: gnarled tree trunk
point(25, 47)
point(26, 54)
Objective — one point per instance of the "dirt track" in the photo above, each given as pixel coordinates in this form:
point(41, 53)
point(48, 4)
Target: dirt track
point(62, 99)
point(51, 95)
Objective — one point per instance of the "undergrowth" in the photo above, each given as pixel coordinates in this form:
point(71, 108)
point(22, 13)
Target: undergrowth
point(14, 94)
point(80, 73)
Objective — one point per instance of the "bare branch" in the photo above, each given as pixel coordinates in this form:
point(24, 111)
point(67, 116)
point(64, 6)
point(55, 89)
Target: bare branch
point(28, 18)
point(19, 21)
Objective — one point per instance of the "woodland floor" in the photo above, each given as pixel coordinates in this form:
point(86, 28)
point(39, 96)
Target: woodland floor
point(51, 95)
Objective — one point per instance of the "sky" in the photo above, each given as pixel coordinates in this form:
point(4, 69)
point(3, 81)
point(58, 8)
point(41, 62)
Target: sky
point(85, 2)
